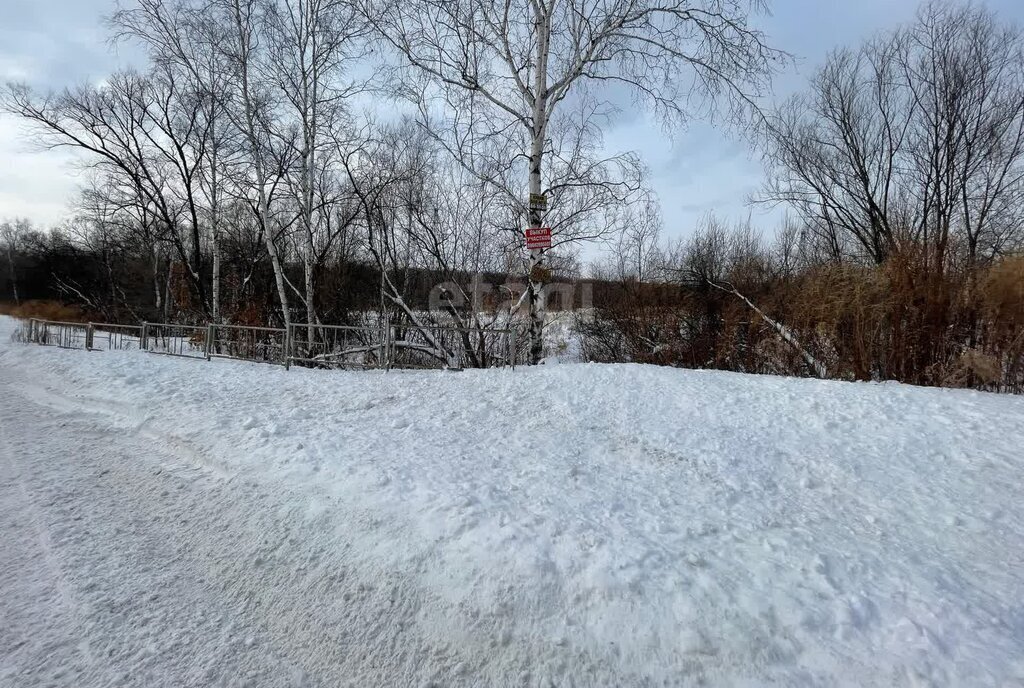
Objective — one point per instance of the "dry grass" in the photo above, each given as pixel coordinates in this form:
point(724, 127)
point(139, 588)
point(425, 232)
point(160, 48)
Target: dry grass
point(903, 320)
point(44, 310)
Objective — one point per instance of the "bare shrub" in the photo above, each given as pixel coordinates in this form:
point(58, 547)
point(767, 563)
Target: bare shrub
point(45, 310)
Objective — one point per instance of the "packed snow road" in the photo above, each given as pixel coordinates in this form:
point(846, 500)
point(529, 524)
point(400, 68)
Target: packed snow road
point(178, 523)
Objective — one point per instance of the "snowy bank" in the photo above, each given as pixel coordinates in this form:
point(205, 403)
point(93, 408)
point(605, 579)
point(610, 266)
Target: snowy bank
point(572, 525)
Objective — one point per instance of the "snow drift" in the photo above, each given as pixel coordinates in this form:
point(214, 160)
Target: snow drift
point(170, 523)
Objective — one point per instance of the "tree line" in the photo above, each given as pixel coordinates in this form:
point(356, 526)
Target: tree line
point(310, 160)
point(901, 167)
point(406, 134)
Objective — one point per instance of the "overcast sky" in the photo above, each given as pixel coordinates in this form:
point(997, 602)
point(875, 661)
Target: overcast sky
point(54, 43)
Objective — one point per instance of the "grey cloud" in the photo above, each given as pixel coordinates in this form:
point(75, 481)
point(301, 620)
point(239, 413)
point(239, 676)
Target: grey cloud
point(53, 43)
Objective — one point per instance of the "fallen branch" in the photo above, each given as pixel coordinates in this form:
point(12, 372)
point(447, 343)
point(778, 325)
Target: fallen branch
point(787, 335)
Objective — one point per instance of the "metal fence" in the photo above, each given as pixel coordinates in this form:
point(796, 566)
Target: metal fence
point(23, 332)
point(188, 341)
point(337, 346)
point(73, 335)
point(110, 337)
point(245, 343)
point(436, 346)
point(65, 335)
point(321, 346)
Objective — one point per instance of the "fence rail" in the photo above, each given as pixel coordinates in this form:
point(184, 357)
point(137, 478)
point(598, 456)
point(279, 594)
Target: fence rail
point(64, 335)
point(439, 346)
point(337, 346)
point(319, 346)
point(169, 339)
point(245, 343)
point(110, 337)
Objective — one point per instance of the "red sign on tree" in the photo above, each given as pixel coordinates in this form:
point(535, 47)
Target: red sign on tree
point(538, 237)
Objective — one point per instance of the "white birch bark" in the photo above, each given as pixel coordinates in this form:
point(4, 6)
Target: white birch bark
point(252, 131)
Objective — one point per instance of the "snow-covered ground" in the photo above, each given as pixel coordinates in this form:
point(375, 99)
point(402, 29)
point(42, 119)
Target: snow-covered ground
point(168, 522)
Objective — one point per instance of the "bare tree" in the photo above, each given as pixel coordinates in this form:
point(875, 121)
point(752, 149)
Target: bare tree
point(252, 113)
point(637, 250)
point(915, 139)
point(311, 43)
point(11, 233)
point(534, 61)
point(184, 42)
point(142, 130)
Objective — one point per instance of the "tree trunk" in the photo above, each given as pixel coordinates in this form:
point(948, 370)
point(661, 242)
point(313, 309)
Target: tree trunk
point(536, 277)
point(310, 310)
point(215, 277)
point(251, 132)
point(196, 267)
point(536, 272)
point(214, 225)
point(166, 313)
point(307, 219)
point(275, 263)
point(14, 277)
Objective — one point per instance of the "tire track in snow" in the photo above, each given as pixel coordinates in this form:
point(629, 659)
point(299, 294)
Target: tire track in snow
point(120, 416)
point(68, 599)
point(280, 584)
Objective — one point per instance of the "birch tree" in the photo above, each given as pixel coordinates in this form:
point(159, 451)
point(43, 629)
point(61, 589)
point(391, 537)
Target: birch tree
point(311, 42)
point(531, 61)
point(11, 233)
point(251, 112)
point(181, 39)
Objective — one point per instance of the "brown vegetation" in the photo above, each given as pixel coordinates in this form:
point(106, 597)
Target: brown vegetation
point(44, 310)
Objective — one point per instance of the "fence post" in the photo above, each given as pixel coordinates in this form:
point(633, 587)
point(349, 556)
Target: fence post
point(89, 332)
point(211, 332)
point(144, 337)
